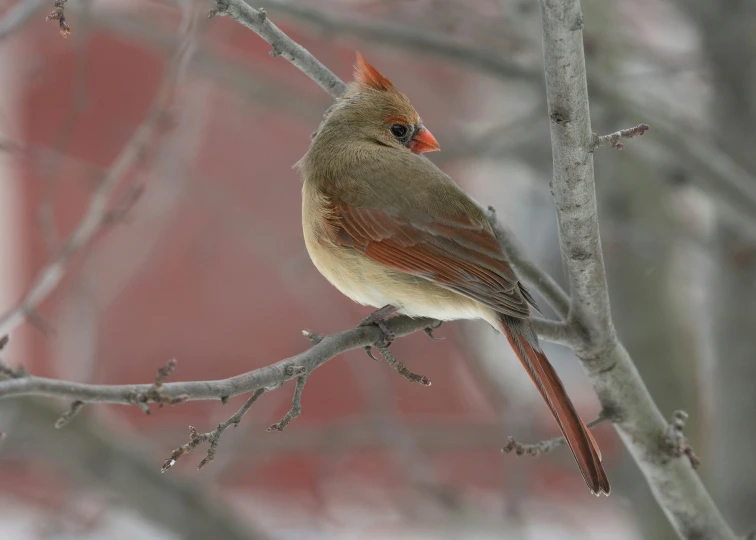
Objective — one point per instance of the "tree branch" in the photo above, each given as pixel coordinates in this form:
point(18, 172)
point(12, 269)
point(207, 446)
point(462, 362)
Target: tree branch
point(639, 423)
point(573, 186)
point(613, 139)
point(389, 34)
point(17, 15)
point(270, 376)
point(257, 21)
point(723, 178)
point(542, 447)
point(96, 215)
point(527, 269)
point(213, 437)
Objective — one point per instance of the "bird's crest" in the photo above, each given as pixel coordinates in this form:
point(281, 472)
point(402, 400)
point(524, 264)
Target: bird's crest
point(366, 76)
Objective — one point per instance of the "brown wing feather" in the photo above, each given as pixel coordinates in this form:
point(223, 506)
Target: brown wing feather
point(461, 258)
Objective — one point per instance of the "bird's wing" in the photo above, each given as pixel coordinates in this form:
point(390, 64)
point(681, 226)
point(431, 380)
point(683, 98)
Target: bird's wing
point(459, 254)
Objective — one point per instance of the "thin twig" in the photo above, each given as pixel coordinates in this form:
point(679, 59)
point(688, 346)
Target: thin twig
point(213, 437)
point(58, 14)
point(153, 393)
point(542, 447)
point(7, 372)
point(74, 409)
point(16, 15)
point(296, 406)
point(164, 372)
point(96, 214)
point(314, 337)
point(613, 139)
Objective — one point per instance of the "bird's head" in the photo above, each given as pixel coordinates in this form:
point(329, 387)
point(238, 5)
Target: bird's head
point(373, 109)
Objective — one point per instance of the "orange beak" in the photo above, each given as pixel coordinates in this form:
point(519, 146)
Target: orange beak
point(423, 141)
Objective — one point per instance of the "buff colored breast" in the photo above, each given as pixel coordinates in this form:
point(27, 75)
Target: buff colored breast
point(371, 283)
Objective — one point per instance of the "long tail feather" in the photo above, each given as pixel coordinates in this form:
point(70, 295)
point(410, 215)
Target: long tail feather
point(524, 341)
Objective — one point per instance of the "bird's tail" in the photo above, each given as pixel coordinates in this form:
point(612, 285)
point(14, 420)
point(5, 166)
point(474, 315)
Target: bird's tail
point(524, 341)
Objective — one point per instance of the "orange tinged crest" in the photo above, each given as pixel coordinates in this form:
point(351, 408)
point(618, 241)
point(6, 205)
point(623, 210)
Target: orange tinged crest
point(367, 76)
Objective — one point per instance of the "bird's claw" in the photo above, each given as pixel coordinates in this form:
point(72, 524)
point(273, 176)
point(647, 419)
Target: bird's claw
point(369, 352)
point(429, 332)
point(378, 318)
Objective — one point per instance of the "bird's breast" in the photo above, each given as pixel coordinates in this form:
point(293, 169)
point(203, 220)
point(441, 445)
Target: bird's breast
point(371, 283)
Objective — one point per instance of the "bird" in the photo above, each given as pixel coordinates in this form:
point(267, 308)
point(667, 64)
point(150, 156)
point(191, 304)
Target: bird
point(390, 230)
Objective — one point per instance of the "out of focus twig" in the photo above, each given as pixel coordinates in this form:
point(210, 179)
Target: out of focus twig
point(59, 14)
point(96, 215)
point(613, 139)
point(16, 15)
point(542, 447)
point(74, 409)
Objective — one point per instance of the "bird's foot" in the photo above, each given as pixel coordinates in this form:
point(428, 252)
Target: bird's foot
point(378, 318)
point(429, 331)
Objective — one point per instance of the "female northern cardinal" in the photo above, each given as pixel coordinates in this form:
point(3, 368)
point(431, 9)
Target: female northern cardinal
point(391, 230)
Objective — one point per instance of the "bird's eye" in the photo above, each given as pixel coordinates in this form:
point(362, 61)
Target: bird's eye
point(399, 130)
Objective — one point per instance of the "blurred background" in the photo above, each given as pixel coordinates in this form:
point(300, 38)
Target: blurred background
point(206, 264)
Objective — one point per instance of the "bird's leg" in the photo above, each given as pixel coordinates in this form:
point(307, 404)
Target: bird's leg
point(378, 318)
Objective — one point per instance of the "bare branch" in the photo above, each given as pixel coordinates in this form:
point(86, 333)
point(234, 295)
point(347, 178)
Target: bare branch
point(527, 269)
point(17, 15)
point(638, 421)
point(164, 372)
point(58, 14)
point(270, 376)
point(573, 186)
point(542, 447)
point(7, 372)
point(154, 395)
point(257, 21)
point(296, 406)
point(613, 139)
point(560, 332)
point(213, 437)
point(389, 34)
point(713, 168)
point(96, 214)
